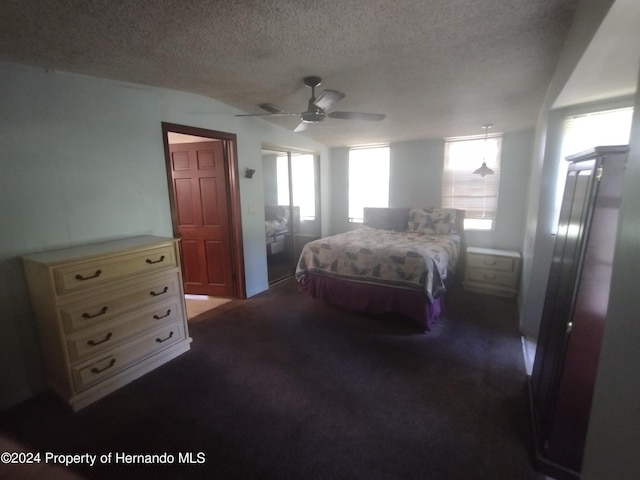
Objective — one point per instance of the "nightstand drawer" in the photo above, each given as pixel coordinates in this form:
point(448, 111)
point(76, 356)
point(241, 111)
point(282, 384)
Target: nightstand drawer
point(491, 262)
point(493, 278)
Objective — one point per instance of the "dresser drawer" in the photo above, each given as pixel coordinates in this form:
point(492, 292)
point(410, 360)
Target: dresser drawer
point(120, 299)
point(88, 274)
point(491, 262)
point(113, 334)
point(490, 277)
point(117, 360)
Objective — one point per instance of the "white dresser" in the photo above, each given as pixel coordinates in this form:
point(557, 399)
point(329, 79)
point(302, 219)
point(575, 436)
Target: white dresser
point(108, 313)
point(492, 271)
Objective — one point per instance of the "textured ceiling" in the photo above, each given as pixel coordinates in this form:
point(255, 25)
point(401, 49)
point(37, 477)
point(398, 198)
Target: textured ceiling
point(436, 68)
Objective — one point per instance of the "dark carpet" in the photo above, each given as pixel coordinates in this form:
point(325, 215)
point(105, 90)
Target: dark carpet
point(284, 387)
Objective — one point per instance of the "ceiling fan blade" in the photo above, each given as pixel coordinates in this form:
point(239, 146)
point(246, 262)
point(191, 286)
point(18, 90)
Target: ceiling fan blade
point(373, 117)
point(265, 114)
point(302, 126)
point(328, 98)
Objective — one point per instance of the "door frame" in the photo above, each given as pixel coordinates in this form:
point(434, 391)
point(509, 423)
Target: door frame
point(229, 145)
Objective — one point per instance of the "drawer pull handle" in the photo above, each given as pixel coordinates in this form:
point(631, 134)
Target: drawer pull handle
point(161, 259)
point(160, 340)
point(101, 312)
point(158, 317)
point(95, 275)
point(490, 277)
point(155, 294)
point(93, 343)
point(100, 370)
point(489, 262)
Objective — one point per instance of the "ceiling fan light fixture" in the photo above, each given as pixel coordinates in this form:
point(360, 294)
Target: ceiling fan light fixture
point(483, 171)
point(313, 116)
point(317, 108)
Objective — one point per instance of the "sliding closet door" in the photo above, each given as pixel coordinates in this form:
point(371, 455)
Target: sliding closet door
point(292, 213)
point(305, 199)
point(279, 223)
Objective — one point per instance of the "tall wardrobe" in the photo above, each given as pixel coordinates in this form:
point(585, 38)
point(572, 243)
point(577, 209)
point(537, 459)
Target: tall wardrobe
point(564, 372)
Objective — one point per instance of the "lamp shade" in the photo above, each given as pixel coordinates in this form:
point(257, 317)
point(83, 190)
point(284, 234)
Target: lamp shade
point(483, 170)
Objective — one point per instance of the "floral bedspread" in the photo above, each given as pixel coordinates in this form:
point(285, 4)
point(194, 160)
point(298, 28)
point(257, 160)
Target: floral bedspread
point(406, 259)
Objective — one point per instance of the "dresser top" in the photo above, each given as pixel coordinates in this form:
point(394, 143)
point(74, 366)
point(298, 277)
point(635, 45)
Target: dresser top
point(93, 249)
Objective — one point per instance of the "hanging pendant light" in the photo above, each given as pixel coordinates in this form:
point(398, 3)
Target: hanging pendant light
point(484, 170)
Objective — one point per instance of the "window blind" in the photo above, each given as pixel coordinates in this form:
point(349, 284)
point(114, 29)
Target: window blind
point(610, 127)
point(464, 190)
point(585, 131)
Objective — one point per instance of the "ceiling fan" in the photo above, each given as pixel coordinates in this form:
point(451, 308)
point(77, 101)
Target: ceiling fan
point(317, 108)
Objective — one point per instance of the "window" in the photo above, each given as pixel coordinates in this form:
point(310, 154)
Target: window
point(461, 189)
point(368, 180)
point(303, 181)
point(582, 132)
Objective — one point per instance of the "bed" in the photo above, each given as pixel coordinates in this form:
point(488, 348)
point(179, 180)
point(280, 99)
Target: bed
point(401, 261)
point(278, 227)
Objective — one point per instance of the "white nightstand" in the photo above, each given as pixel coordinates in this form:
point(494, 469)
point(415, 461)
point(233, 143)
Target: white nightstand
point(492, 271)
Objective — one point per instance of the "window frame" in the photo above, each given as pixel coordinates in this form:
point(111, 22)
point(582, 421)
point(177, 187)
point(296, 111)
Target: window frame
point(463, 192)
point(585, 121)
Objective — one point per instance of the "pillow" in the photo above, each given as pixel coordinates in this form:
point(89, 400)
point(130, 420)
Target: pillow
point(386, 218)
point(435, 221)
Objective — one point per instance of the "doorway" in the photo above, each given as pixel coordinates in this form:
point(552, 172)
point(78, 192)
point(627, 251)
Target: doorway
point(204, 196)
point(292, 207)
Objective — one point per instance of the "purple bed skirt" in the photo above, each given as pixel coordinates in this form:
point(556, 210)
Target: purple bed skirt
point(377, 299)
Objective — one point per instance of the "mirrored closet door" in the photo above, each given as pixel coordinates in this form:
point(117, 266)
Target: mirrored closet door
point(292, 207)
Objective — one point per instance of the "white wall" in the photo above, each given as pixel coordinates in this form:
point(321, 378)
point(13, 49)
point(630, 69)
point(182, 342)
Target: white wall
point(613, 439)
point(538, 241)
point(339, 190)
point(415, 176)
point(82, 160)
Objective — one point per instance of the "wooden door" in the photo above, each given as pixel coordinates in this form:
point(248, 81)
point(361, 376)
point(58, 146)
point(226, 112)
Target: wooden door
point(203, 220)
